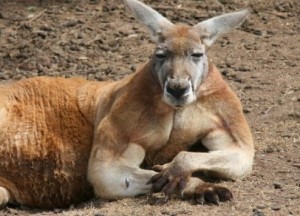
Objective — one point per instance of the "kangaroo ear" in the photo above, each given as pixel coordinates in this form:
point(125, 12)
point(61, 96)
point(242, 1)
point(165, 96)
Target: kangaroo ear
point(210, 29)
point(153, 20)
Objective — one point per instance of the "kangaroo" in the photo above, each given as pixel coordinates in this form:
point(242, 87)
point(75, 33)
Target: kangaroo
point(64, 140)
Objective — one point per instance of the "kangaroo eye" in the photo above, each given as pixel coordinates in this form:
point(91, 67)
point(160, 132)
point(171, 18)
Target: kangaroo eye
point(197, 55)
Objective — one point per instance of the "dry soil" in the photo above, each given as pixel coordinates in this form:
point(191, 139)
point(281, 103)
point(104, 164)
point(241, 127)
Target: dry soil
point(100, 40)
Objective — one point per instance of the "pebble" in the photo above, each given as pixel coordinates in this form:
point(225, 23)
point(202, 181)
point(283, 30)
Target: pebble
point(257, 212)
point(70, 23)
point(286, 135)
point(56, 211)
point(3, 76)
point(243, 69)
point(248, 87)
point(281, 157)
point(269, 150)
point(257, 32)
point(12, 211)
point(46, 28)
point(100, 76)
point(42, 34)
point(247, 110)
point(165, 212)
point(276, 208)
point(296, 165)
point(277, 185)
point(261, 206)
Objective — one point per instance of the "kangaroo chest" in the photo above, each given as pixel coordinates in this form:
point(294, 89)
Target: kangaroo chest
point(189, 126)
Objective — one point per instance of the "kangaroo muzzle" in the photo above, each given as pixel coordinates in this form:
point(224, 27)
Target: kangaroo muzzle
point(178, 92)
point(177, 88)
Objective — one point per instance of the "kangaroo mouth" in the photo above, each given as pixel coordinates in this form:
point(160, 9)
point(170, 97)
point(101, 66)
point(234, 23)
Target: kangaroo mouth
point(178, 97)
point(177, 102)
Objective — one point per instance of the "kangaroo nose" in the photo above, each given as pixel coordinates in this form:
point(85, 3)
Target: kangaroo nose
point(177, 91)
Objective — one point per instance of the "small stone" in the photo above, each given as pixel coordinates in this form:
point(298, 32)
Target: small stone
point(3, 76)
point(70, 23)
point(277, 186)
point(248, 87)
point(243, 69)
point(82, 58)
point(281, 101)
point(224, 72)
point(269, 150)
point(296, 165)
point(12, 211)
point(270, 32)
point(100, 76)
point(46, 28)
point(257, 212)
point(75, 48)
point(25, 26)
point(286, 135)
point(165, 212)
point(261, 206)
point(257, 32)
point(132, 68)
point(276, 208)
point(41, 33)
point(56, 211)
point(91, 76)
point(247, 110)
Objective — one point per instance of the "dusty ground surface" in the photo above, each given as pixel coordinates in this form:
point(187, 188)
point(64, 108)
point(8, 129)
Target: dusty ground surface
point(99, 40)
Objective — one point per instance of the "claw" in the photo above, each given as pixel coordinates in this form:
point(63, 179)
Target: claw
point(166, 199)
point(157, 168)
point(159, 184)
point(127, 182)
point(211, 197)
point(224, 194)
point(169, 189)
point(212, 194)
point(182, 184)
point(154, 178)
point(200, 199)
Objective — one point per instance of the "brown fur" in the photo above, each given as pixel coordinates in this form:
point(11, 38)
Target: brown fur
point(56, 133)
point(215, 97)
point(46, 143)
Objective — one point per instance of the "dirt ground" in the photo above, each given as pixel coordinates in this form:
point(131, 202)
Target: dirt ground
point(100, 40)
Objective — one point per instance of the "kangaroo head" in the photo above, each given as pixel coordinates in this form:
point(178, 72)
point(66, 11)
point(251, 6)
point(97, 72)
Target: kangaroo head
point(179, 60)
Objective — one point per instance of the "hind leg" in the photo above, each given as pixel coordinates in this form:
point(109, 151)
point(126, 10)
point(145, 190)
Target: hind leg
point(4, 196)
